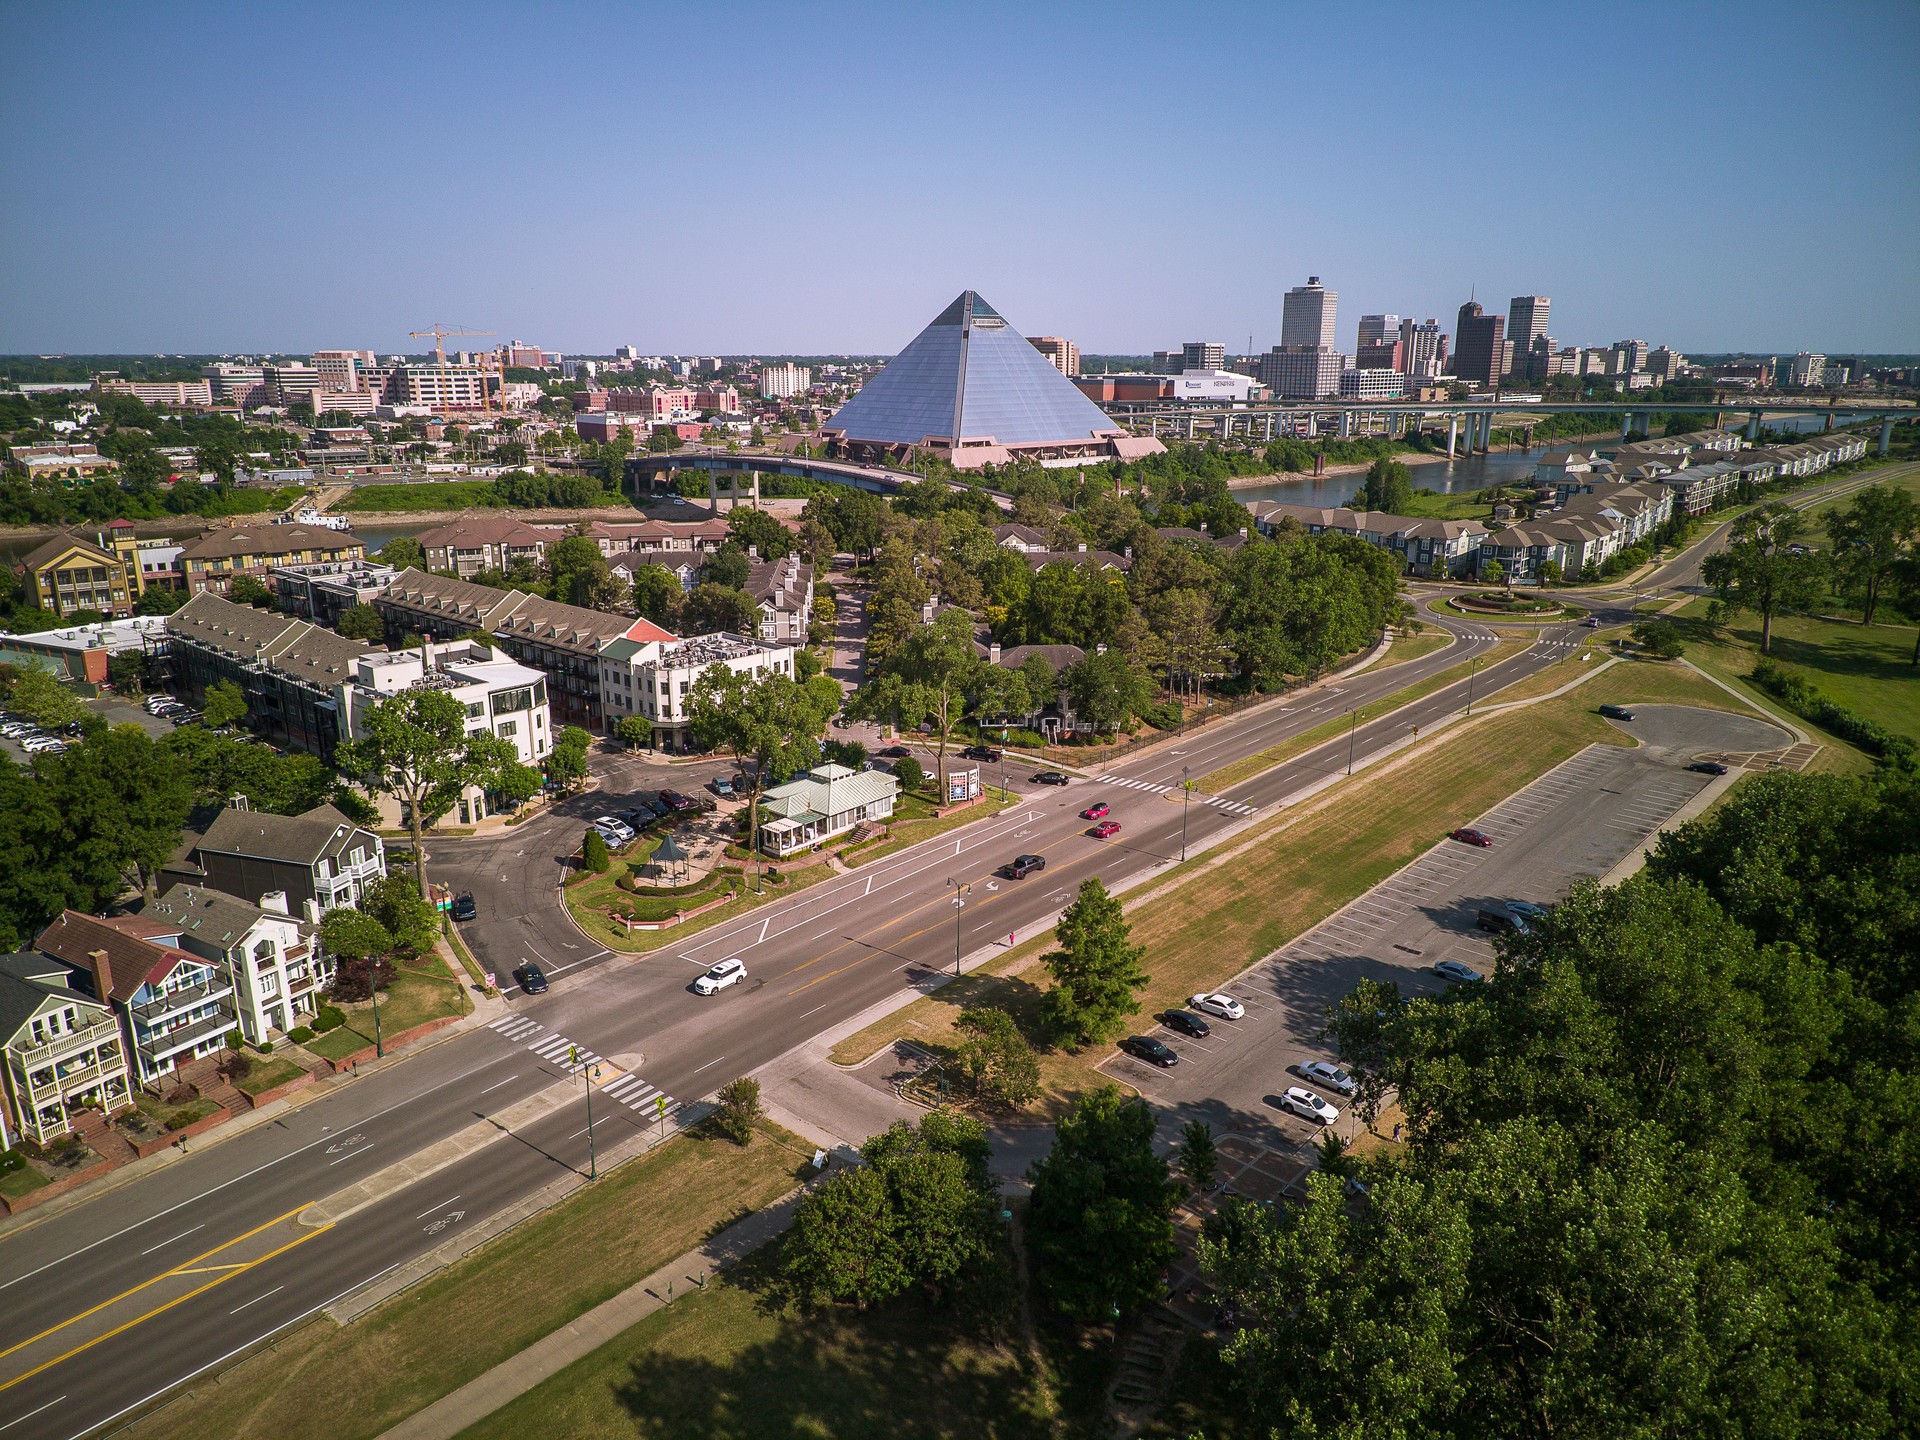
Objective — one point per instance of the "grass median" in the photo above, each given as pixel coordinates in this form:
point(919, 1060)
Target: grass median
point(1240, 771)
point(322, 1381)
point(423, 989)
point(1205, 921)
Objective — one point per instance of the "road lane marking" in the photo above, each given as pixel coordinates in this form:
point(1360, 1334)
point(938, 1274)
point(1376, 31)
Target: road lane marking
point(256, 1299)
point(181, 1236)
point(711, 1063)
point(30, 1414)
point(498, 1083)
point(352, 1154)
point(435, 1209)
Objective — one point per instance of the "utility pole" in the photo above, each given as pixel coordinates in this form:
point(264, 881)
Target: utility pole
point(1472, 667)
point(960, 890)
point(373, 988)
point(1352, 723)
point(1186, 803)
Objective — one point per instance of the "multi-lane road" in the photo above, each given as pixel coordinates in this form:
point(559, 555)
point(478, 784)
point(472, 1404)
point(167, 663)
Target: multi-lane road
point(112, 1302)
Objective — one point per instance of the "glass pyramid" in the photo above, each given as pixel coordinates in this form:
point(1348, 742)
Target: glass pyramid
point(970, 378)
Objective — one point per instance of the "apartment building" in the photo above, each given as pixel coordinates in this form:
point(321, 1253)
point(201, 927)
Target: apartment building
point(70, 572)
point(212, 562)
point(664, 540)
point(60, 1050)
point(651, 672)
point(172, 1006)
point(274, 967)
point(501, 696)
point(324, 591)
point(782, 590)
point(319, 860)
point(1425, 547)
point(484, 542)
point(778, 382)
point(623, 564)
point(1063, 353)
point(175, 394)
point(290, 671)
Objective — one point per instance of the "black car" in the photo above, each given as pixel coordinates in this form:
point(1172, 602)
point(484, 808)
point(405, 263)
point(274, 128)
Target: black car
point(464, 908)
point(1707, 767)
point(1616, 712)
point(981, 752)
point(531, 979)
point(1154, 1052)
point(1187, 1023)
point(1499, 922)
point(1050, 777)
point(639, 817)
point(895, 752)
point(1022, 866)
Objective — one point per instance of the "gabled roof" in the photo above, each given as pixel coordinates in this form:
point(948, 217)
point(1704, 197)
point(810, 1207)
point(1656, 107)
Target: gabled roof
point(269, 540)
point(970, 377)
point(138, 953)
point(484, 530)
point(302, 839)
point(293, 647)
point(206, 915)
point(27, 983)
point(60, 545)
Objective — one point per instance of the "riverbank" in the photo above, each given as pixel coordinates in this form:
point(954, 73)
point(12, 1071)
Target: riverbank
point(1411, 459)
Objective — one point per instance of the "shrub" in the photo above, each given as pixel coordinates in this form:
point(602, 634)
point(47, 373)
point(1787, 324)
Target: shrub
point(178, 1122)
point(300, 1034)
point(328, 1017)
point(181, 1095)
point(234, 1040)
point(1660, 638)
point(265, 1047)
point(909, 773)
point(236, 1066)
point(356, 979)
point(739, 1107)
point(1165, 715)
point(1806, 701)
point(594, 854)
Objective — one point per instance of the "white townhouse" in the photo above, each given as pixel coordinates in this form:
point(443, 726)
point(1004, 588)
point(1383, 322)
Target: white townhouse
point(59, 1051)
point(651, 672)
point(274, 965)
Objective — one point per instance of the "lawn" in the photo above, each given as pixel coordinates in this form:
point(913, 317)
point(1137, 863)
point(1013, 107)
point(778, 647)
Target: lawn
point(1227, 776)
point(275, 1070)
point(1207, 920)
point(1411, 647)
point(1865, 668)
point(325, 1382)
point(162, 1113)
point(17, 1177)
point(735, 1363)
point(423, 990)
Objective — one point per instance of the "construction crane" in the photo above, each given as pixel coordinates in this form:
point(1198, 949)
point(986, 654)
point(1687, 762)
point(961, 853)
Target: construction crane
point(438, 335)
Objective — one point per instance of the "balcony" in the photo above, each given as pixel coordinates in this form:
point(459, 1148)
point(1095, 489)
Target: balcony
point(105, 1032)
point(158, 1048)
point(177, 1000)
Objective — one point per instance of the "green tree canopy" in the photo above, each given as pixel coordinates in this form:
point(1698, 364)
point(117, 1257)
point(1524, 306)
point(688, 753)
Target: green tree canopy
point(1764, 567)
point(1869, 538)
point(769, 538)
point(927, 679)
point(1096, 971)
point(226, 704)
point(362, 622)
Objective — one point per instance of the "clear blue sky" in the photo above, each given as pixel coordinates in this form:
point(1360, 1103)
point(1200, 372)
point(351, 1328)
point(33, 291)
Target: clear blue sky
point(797, 177)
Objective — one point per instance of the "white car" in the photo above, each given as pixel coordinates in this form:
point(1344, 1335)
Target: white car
point(1308, 1106)
point(154, 702)
point(14, 729)
point(613, 830)
point(727, 972)
point(1223, 1005)
point(1328, 1076)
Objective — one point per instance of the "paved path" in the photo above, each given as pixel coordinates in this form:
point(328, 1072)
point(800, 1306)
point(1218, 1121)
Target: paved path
point(510, 1379)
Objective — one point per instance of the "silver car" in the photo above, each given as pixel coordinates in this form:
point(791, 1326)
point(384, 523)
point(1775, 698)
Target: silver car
point(1328, 1076)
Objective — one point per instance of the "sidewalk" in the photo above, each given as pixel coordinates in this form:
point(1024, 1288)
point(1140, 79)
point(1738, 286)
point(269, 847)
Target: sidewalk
point(507, 1381)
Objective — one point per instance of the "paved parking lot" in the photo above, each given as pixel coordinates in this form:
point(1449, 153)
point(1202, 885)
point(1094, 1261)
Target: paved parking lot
point(1575, 822)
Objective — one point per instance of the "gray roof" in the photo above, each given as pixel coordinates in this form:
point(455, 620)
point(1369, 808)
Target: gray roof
point(302, 839)
point(970, 376)
point(206, 915)
point(292, 647)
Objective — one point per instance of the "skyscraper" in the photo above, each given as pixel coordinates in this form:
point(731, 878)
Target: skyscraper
point(1203, 355)
point(1526, 328)
point(1378, 329)
point(1064, 354)
point(1306, 315)
point(1423, 349)
point(1477, 347)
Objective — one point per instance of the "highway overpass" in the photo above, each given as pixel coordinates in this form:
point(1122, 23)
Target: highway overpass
point(650, 471)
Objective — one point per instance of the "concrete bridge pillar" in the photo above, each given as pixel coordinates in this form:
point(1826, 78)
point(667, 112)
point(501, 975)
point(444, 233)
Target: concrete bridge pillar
point(1346, 424)
point(1626, 425)
point(1829, 424)
point(1453, 434)
point(1269, 426)
point(1753, 426)
point(1886, 435)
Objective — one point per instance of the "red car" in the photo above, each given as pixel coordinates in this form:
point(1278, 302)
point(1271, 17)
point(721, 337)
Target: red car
point(1105, 829)
point(1471, 837)
point(1096, 810)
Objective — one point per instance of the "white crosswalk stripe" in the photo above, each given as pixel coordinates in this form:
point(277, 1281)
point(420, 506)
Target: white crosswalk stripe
point(636, 1094)
point(516, 1027)
point(1232, 807)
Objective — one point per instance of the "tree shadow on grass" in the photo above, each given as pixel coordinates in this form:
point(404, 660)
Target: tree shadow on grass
point(898, 1371)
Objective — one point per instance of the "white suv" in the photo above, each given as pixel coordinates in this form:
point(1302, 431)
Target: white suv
point(614, 831)
point(727, 972)
point(1308, 1106)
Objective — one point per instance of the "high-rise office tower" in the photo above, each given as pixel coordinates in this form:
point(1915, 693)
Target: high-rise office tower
point(1423, 349)
point(1378, 329)
point(1064, 354)
point(1477, 345)
point(1203, 355)
point(1306, 315)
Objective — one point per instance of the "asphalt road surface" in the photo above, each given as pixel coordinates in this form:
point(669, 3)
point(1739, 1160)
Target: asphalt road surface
point(813, 960)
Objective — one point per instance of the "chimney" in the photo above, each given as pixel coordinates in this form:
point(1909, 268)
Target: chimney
point(102, 975)
point(1081, 548)
point(1243, 532)
point(238, 802)
point(274, 902)
point(993, 653)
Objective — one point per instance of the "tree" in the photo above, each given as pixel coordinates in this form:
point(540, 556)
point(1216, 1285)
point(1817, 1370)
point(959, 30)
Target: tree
point(717, 607)
point(909, 773)
point(738, 1109)
point(226, 704)
point(411, 919)
point(1095, 971)
point(728, 566)
point(756, 528)
point(127, 671)
point(1493, 572)
point(635, 731)
point(577, 570)
point(40, 696)
point(770, 722)
point(158, 600)
point(567, 761)
point(1389, 487)
point(1764, 568)
point(1106, 690)
point(657, 594)
point(995, 1060)
point(594, 854)
point(1550, 573)
point(843, 1245)
point(403, 552)
point(927, 679)
point(1197, 1155)
point(1101, 1215)
point(414, 747)
point(1869, 538)
point(360, 946)
point(245, 590)
point(361, 621)
point(1660, 638)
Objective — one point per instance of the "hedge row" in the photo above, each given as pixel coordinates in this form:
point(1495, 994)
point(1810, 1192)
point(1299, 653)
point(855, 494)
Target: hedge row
point(1808, 703)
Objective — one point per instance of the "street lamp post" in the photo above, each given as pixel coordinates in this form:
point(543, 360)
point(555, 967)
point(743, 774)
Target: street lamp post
point(587, 1074)
point(373, 988)
point(1471, 669)
point(959, 903)
point(1186, 804)
point(1353, 722)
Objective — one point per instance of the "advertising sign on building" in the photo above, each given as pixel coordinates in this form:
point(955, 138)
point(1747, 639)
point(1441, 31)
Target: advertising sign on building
point(963, 785)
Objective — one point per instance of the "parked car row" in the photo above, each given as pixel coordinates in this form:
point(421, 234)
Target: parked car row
point(166, 707)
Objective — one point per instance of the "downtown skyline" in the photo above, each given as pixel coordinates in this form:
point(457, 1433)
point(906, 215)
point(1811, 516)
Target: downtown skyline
point(773, 182)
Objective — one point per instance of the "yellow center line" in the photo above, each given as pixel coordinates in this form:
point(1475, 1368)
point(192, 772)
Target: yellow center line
point(210, 1269)
point(162, 1309)
point(178, 1269)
